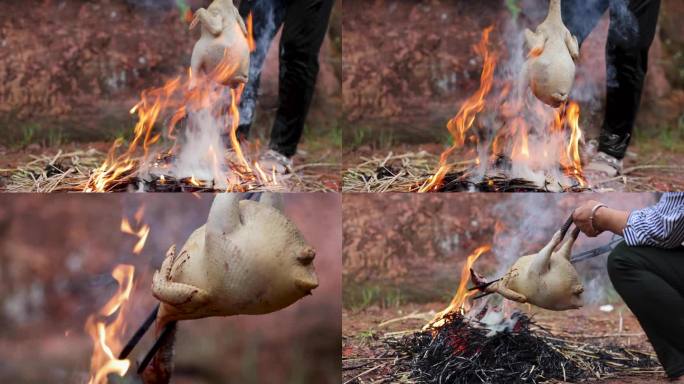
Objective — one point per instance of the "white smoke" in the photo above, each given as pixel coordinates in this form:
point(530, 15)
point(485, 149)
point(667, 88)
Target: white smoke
point(201, 153)
point(516, 107)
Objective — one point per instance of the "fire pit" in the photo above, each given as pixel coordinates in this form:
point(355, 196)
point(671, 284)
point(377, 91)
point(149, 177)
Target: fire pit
point(463, 350)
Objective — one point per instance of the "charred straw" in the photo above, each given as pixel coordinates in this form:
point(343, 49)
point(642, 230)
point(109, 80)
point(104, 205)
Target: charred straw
point(461, 351)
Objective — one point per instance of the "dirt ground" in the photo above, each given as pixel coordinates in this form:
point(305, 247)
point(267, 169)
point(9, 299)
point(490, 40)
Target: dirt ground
point(362, 335)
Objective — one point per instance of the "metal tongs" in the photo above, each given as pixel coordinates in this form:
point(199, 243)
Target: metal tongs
point(563, 231)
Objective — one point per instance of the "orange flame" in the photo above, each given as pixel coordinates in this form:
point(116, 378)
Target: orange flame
point(174, 99)
point(573, 163)
point(464, 119)
point(459, 299)
point(141, 233)
point(235, 122)
point(106, 336)
point(512, 139)
point(250, 33)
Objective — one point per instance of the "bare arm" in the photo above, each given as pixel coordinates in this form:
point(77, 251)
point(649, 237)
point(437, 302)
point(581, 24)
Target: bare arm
point(613, 220)
point(604, 219)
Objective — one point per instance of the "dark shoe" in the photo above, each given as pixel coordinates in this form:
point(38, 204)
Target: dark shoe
point(613, 145)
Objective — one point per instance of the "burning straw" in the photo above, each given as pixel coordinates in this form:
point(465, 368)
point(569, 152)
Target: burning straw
point(408, 172)
point(463, 351)
point(71, 172)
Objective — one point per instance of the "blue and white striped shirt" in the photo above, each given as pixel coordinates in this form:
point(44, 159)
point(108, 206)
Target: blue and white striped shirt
point(661, 225)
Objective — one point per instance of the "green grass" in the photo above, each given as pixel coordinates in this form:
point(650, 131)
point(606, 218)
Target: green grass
point(358, 297)
point(378, 138)
point(513, 7)
point(365, 337)
point(323, 138)
point(299, 367)
point(28, 132)
point(249, 363)
point(359, 136)
point(19, 134)
point(335, 136)
point(668, 137)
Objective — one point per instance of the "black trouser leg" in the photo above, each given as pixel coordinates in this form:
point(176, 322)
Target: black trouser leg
point(268, 17)
point(626, 64)
point(651, 282)
point(304, 29)
point(631, 32)
point(581, 17)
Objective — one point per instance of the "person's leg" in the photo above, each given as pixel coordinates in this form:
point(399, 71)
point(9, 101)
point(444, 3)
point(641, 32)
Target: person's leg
point(267, 17)
point(632, 28)
point(651, 282)
point(304, 29)
point(581, 17)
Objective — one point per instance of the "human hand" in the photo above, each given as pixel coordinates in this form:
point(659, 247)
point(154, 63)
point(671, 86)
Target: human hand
point(582, 217)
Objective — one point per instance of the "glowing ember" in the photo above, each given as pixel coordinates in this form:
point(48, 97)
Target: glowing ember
point(524, 139)
point(458, 301)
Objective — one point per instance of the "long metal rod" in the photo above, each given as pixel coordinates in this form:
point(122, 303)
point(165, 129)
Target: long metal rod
point(128, 348)
point(566, 226)
point(485, 285)
point(596, 251)
point(168, 329)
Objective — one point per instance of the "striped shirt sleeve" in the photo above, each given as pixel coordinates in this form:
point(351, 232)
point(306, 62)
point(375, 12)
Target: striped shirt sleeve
point(661, 225)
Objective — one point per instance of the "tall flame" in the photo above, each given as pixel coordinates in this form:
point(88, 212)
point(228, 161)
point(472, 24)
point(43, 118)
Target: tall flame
point(174, 99)
point(464, 119)
point(106, 336)
point(250, 33)
point(573, 163)
point(462, 293)
point(558, 143)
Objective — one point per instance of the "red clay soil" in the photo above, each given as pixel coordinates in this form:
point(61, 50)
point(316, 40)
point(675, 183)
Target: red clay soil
point(361, 334)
